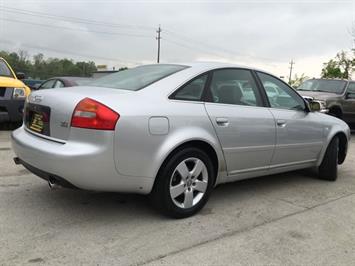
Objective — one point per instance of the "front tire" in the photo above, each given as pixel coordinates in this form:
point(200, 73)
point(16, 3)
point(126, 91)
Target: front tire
point(328, 170)
point(184, 183)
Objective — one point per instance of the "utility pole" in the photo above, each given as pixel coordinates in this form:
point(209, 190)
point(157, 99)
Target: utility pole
point(291, 68)
point(158, 38)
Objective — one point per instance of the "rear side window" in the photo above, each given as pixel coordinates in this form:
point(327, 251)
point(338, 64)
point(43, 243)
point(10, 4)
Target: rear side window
point(58, 84)
point(48, 84)
point(137, 78)
point(234, 86)
point(192, 91)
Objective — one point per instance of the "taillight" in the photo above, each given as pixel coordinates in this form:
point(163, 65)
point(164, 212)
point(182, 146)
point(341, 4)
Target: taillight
point(92, 114)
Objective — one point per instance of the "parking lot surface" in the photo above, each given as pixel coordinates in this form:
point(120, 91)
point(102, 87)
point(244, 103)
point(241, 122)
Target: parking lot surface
point(283, 219)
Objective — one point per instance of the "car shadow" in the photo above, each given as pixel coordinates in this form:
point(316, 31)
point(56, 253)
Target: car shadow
point(73, 203)
point(6, 126)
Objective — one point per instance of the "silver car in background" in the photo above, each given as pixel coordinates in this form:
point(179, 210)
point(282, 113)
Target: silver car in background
point(175, 131)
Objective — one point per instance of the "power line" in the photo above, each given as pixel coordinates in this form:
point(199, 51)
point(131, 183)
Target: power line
point(215, 48)
point(202, 50)
point(73, 19)
point(74, 29)
point(191, 47)
point(69, 52)
point(181, 38)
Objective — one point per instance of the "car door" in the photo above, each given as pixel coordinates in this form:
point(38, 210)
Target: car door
point(299, 136)
point(349, 104)
point(245, 128)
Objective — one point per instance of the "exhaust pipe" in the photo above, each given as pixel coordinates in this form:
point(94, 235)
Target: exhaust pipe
point(53, 184)
point(17, 160)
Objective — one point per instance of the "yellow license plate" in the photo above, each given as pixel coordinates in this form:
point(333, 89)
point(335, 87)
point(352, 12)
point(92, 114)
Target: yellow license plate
point(37, 123)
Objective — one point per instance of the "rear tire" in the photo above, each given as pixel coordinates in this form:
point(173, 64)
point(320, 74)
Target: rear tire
point(328, 170)
point(184, 183)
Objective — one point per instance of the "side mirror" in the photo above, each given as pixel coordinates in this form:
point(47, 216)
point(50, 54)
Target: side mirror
point(20, 75)
point(314, 106)
point(350, 95)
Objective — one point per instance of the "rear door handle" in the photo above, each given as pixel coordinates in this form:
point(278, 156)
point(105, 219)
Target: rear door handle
point(281, 123)
point(222, 121)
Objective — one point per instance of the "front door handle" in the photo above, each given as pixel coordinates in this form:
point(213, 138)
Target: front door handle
point(222, 121)
point(281, 123)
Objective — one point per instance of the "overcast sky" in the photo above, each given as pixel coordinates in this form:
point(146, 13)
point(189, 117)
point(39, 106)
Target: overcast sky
point(265, 34)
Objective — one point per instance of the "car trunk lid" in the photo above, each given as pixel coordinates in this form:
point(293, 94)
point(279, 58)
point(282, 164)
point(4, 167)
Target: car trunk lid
point(49, 112)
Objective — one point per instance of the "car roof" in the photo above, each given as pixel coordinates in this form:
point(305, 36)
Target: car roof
point(205, 66)
point(71, 78)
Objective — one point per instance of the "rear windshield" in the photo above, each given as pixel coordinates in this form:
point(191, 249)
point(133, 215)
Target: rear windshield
point(4, 70)
point(136, 78)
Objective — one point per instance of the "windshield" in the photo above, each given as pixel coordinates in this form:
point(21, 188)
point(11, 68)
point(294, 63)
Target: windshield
point(333, 86)
point(5, 70)
point(137, 78)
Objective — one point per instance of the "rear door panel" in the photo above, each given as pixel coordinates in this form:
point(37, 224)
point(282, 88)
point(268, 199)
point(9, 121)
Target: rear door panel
point(247, 137)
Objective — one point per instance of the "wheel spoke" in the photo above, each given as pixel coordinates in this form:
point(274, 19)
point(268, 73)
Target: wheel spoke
point(189, 197)
point(183, 171)
point(177, 190)
point(196, 171)
point(200, 186)
point(189, 182)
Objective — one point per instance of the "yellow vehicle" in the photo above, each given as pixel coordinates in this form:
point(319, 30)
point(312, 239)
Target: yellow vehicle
point(13, 93)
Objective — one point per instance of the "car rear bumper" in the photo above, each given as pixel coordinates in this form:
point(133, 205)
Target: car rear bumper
point(44, 175)
point(83, 165)
point(11, 110)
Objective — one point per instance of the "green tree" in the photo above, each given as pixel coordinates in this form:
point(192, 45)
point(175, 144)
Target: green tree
point(339, 67)
point(298, 80)
point(86, 68)
point(41, 68)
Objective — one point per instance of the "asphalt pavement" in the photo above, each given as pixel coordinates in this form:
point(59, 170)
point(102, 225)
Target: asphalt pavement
point(285, 219)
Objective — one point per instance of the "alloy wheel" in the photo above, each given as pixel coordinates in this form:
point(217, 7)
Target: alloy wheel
point(188, 183)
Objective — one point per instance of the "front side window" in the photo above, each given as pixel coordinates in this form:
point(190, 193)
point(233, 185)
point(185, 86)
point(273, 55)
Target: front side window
point(234, 86)
point(192, 91)
point(279, 94)
point(137, 78)
point(5, 70)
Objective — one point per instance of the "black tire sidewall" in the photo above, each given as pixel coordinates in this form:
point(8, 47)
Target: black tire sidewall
point(329, 166)
point(162, 189)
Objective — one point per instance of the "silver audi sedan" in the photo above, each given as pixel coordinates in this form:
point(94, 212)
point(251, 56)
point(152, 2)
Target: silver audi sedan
point(175, 131)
